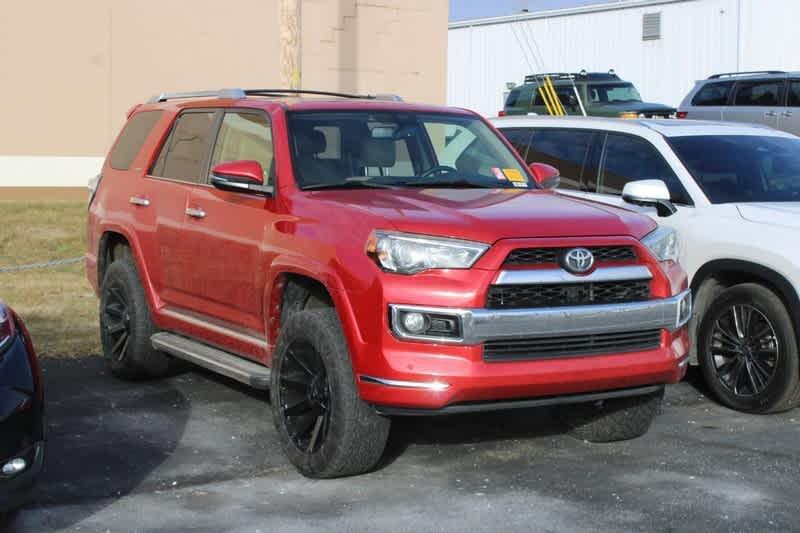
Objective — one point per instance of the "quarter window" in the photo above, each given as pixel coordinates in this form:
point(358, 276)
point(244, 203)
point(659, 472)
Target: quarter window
point(132, 138)
point(759, 93)
point(245, 136)
point(629, 159)
point(713, 94)
point(185, 152)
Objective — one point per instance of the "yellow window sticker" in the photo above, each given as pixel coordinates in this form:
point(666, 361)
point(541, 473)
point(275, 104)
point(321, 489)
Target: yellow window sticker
point(514, 175)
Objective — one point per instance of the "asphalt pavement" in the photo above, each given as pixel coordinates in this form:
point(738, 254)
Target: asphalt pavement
point(198, 452)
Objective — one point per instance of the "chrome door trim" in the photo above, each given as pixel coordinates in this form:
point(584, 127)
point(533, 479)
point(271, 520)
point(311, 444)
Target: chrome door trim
point(140, 201)
point(195, 212)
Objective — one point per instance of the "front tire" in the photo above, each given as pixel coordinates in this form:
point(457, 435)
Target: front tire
point(126, 326)
point(324, 427)
point(747, 351)
point(612, 420)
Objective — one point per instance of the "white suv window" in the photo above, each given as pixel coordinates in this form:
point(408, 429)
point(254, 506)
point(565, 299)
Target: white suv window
point(629, 158)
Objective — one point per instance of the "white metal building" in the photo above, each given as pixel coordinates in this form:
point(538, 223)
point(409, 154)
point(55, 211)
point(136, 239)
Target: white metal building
point(662, 46)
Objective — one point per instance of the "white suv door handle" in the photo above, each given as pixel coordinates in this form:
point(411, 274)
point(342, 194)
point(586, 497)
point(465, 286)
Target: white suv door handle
point(138, 200)
point(787, 114)
point(770, 114)
point(195, 212)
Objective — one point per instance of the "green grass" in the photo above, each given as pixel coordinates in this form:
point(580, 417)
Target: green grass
point(57, 304)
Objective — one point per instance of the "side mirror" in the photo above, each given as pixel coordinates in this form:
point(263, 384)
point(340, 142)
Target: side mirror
point(240, 176)
point(546, 176)
point(649, 193)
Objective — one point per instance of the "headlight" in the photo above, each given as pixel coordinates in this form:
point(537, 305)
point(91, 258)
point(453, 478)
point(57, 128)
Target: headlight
point(408, 254)
point(663, 242)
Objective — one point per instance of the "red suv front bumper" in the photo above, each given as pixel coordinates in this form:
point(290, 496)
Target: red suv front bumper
point(401, 374)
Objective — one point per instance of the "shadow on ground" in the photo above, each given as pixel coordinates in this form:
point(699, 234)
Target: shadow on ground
point(104, 436)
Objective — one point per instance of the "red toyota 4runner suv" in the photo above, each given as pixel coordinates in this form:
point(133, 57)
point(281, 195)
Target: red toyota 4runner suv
point(364, 258)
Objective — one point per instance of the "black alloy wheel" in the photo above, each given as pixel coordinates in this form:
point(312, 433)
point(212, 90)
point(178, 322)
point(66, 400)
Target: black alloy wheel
point(305, 396)
point(126, 326)
point(745, 350)
point(116, 320)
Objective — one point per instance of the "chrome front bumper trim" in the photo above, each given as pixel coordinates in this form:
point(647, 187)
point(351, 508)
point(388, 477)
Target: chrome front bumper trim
point(425, 385)
point(480, 325)
point(549, 276)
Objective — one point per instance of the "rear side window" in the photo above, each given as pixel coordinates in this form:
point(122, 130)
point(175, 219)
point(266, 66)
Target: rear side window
point(794, 93)
point(629, 159)
point(713, 94)
point(185, 153)
point(759, 93)
point(513, 96)
point(570, 151)
point(132, 138)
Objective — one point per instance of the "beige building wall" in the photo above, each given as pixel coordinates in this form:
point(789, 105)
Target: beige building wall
point(69, 70)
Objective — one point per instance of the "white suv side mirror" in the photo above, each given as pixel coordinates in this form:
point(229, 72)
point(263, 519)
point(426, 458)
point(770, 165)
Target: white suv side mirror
point(649, 193)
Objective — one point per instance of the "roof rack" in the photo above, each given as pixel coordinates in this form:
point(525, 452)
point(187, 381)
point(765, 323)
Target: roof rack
point(237, 94)
point(530, 78)
point(751, 73)
point(583, 74)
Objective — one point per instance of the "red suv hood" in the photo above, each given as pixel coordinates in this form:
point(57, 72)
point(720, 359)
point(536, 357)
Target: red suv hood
point(488, 215)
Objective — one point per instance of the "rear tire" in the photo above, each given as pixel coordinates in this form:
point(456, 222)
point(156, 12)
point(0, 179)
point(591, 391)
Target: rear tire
point(324, 427)
point(612, 420)
point(126, 325)
point(752, 367)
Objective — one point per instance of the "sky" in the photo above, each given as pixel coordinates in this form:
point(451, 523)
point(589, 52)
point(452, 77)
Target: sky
point(472, 9)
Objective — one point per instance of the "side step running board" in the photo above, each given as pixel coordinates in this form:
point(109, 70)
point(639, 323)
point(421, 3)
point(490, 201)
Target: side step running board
point(214, 359)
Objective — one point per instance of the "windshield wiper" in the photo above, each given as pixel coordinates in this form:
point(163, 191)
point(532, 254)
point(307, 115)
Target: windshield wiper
point(455, 184)
point(348, 185)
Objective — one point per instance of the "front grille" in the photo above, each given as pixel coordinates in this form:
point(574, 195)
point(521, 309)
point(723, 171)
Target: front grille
point(562, 294)
point(574, 345)
point(544, 256)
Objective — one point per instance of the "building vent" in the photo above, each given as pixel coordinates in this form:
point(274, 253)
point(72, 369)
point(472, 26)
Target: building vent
point(651, 26)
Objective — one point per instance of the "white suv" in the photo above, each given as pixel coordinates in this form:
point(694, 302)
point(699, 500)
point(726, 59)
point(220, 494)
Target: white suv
point(732, 193)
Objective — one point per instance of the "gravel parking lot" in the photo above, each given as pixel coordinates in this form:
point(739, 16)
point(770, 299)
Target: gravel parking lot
point(199, 452)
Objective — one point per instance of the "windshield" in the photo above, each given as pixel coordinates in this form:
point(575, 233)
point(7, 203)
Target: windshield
point(742, 168)
point(611, 93)
point(356, 149)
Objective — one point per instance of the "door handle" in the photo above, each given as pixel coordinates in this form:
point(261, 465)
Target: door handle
point(770, 114)
point(787, 114)
point(195, 212)
point(138, 200)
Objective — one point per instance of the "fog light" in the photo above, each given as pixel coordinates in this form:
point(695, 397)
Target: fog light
point(415, 322)
point(15, 466)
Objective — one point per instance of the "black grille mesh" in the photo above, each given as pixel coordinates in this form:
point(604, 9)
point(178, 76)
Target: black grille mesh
point(574, 345)
point(562, 294)
point(543, 256)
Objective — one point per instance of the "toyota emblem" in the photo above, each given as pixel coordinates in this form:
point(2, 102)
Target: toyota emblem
point(578, 260)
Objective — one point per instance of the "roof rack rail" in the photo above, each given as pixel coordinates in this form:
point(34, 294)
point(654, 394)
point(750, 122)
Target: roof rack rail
point(228, 94)
point(236, 94)
point(286, 92)
point(557, 75)
point(750, 73)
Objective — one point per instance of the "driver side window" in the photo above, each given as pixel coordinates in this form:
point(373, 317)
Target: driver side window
point(245, 136)
point(629, 158)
